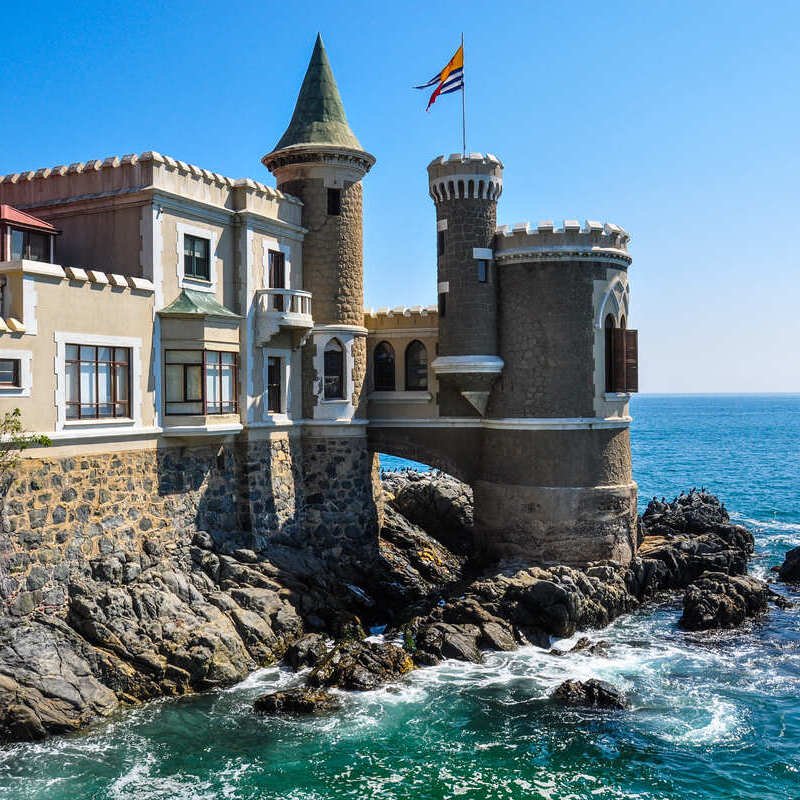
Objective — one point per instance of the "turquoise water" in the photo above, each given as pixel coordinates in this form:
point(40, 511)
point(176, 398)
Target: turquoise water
point(712, 716)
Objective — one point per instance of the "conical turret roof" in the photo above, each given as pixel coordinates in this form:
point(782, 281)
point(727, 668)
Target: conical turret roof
point(319, 116)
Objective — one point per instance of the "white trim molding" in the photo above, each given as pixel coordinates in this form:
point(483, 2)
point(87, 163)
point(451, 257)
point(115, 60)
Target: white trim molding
point(510, 423)
point(25, 357)
point(335, 409)
point(445, 365)
point(226, 429)
point(197, 284)
point(411, 396)
point(62, 338)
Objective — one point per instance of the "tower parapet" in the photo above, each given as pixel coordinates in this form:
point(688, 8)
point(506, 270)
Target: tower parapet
point(465, 190)
point(592, 241)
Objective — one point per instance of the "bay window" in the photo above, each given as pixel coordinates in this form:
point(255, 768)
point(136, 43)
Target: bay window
point(201, 382)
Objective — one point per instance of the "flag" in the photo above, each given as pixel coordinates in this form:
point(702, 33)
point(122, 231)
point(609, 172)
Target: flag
point(450, 79)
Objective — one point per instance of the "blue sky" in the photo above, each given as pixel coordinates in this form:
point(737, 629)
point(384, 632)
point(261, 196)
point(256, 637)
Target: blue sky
point(676, 120)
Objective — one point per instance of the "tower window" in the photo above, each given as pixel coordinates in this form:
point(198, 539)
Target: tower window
point(334, 202)
point(383, 368)
point(442, 304)
point(416, 367)
point(333, 388)
point(621, 356)
point(440, 243)
point(483, 271)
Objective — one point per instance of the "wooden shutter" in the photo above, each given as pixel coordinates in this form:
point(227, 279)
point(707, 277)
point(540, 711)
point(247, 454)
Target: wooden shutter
point(631, 361)
point(618, 360)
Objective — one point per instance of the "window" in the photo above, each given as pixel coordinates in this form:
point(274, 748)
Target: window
point(221, 383)
point(440, 243)
point(9, 373)
point(97, 381)
point(30, 245)
point(200, 382)
point(196, 257)
point(442, 304)
point(383, 368)
point(274, 384)
point(416, 367)
point(184, 381)
point(334, 371)
point(334, 202)
point(621, 357)
point(483, 270)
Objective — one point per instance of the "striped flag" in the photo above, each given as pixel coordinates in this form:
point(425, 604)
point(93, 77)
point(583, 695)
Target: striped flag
point(450, 79)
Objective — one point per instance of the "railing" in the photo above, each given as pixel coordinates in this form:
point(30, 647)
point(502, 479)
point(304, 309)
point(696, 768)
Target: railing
point(284, 301)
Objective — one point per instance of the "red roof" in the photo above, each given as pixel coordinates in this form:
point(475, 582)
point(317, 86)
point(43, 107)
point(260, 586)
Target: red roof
point(16, 217)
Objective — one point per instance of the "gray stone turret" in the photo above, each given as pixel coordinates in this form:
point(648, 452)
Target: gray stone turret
point(320, 160)
point(465, 191)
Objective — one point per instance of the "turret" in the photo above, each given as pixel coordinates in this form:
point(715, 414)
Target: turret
point(465, 191)
point(319, 160)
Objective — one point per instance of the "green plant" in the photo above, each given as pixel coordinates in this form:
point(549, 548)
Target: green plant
point(14, 439)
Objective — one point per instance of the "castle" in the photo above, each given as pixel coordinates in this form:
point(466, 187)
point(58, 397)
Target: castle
point(198, 351)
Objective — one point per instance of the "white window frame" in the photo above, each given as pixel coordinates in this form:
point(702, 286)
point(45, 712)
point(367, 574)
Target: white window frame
point(25, 358)
point(268, 244)
point(283, 417)
point(188, 282)
point(335, 408)
point(62, 339)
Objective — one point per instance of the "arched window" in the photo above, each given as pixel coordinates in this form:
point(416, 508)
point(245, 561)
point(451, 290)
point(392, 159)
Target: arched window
point(383, 368)
point(622, 322)
point(416, 367)
point(334, 370)
point(609, 330)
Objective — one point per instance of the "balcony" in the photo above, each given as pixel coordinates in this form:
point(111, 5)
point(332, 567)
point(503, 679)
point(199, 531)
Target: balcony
point(282, 310)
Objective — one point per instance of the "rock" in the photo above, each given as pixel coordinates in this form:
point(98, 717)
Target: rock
point(360, 666)
point(306, 651)
point(717, 600)
point(789, 571)
point(590, 694)
point(438, 503)
point(412, 567)
point(584, 645)
point(295, 702)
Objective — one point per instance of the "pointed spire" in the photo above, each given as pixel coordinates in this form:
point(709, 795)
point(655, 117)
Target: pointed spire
point(319, 116)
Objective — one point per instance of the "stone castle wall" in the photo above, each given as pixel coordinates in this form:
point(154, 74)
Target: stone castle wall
point(66, 517)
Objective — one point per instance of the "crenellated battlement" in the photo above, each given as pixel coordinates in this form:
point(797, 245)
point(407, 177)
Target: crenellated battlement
point(132, 172)
point(572, 241)
point(456, 177)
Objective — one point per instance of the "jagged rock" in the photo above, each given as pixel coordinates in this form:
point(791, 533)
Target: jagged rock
point(412, 566)
point(789, 571)
point(590, 694)
point(307, 651)
point(437, 503)
point(295, 702)
point(583, 645)
point(360, 666)
point(717, 600)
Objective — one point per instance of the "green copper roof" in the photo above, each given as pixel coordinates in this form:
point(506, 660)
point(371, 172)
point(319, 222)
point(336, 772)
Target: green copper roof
point(203, 304)
point(319, 116)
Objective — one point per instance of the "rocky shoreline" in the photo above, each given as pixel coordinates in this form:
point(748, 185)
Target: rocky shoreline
point(196, 617)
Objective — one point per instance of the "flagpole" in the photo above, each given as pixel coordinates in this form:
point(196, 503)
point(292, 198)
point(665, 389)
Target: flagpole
point(463, 105)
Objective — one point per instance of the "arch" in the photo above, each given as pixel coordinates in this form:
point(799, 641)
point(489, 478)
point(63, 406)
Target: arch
point(622, 322)
point(618, 294)
point(416, 363)
point(481, 189)
point(333, 365)
point(383, 367)
point(471, 188)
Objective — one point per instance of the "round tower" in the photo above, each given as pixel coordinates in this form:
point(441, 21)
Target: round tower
point(465, 191)
point(319, 160)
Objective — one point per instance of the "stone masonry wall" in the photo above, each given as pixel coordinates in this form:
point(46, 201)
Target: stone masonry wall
point(546, 340)
point(469, 326)
point(60, 516)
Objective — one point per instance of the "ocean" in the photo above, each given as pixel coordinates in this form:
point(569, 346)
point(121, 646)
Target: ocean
point(712, 715)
